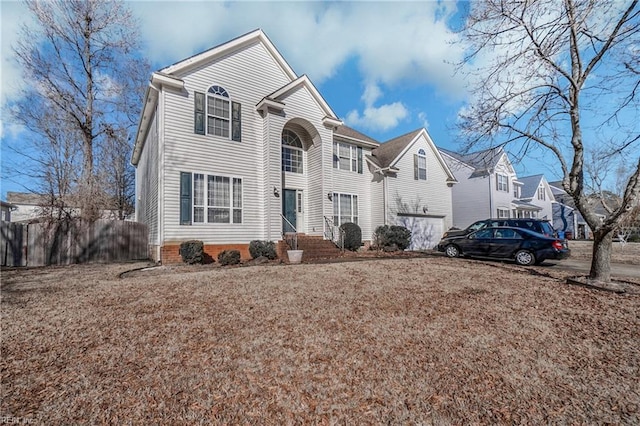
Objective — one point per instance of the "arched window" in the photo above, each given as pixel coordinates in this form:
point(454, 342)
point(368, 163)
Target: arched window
point(291, 152)
point(420, 165)
point(222, 115)
point(218, 114)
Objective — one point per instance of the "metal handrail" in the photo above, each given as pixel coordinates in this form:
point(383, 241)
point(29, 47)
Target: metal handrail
point(293, 241)
point(334, 233)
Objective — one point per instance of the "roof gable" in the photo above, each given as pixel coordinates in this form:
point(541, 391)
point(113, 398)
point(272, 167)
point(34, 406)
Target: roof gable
point(227, 48)
point(306, 83)
point(530, 185)
point(390, 152)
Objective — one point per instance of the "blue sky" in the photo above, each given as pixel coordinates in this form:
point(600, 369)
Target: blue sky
point(384, 68)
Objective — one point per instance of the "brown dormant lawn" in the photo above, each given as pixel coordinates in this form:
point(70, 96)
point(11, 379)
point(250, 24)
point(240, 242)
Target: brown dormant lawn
point(392, 341)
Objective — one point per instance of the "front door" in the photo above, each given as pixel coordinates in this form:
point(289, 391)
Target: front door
point(289, 210)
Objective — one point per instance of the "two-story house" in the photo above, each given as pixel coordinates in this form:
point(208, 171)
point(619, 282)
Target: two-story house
point(536, 191)
point(487, 187)
point(234, 146)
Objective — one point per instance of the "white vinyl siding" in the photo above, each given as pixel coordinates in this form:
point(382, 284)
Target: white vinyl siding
point(407, 195)
point(147, 183)
point(186, 151)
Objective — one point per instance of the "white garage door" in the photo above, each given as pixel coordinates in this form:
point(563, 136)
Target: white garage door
point(426, 231)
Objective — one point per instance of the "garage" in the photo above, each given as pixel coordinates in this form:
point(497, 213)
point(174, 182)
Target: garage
point(426, 230)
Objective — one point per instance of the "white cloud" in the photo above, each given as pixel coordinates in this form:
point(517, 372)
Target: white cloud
point(391, 42)
point(380, 118)
point(14, 15)
point(422, 116)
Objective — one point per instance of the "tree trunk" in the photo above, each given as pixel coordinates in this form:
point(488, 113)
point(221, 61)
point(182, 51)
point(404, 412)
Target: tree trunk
point(601, 261)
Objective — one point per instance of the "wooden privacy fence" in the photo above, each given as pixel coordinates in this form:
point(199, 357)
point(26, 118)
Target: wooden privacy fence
point(64, 243)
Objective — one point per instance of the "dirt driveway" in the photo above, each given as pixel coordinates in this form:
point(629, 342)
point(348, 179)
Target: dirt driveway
point(400, 341)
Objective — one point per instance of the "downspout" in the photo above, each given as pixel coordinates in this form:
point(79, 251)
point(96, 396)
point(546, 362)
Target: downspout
point(490, 198)
point(161, 189)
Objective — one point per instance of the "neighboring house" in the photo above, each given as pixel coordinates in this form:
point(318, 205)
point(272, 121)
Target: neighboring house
point(29, 207)
point(231, 142)
point(566, 216)
point(487, 187)
point(535, 190)
point(5, 211)
point(26, 205)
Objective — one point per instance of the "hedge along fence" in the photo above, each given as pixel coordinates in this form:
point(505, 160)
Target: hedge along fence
point(68, 242)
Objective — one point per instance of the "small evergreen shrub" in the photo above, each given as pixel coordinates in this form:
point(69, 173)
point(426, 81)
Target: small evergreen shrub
point(352, 236)
point(258, 248)
point(192, 251)
point(229, 257)
point(386, 237)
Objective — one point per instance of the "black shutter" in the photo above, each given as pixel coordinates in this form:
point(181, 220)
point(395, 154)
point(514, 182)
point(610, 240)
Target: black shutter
point(360, 159)
point(198, 113)
point(185, 198)
point(415, 167)
point(236, 120)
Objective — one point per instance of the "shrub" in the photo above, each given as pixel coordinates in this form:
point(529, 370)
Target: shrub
point(258, 248)
point(192, 251)
point(390, 236)
point(229, 257)
point(352, 236)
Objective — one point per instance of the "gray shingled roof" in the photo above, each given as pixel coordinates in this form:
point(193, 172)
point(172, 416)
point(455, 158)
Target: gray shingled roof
point(530, 185)
point(481, 160)
point(25, 198)
point(389, 151)
point(354, 134)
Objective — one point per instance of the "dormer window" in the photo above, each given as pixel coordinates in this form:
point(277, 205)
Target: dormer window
point(222, 116)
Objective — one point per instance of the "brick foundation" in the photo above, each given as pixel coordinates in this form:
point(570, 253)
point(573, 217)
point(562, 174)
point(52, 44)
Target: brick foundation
point(170, 253)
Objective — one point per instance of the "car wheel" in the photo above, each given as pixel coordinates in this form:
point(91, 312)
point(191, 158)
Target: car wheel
point(452, 251)
point(525, 258)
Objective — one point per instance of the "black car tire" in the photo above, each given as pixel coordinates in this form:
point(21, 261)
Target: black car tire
point(452, 251)
point(525, 258)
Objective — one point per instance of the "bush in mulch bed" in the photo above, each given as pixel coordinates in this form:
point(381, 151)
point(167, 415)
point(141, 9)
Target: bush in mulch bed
point(391, 238)
point(192, 251)
point(229, 257)
point(352, 236)
point(258, 248)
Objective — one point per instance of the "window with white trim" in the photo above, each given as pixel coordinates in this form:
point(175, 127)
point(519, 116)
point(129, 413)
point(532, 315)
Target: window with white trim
point(420, 165)
point(345, 208)
point(215, 114)
point(503, 213)
point(502, 183)
point(347, 157)
point(292, 153)
point(210, 199)
point(541, 194)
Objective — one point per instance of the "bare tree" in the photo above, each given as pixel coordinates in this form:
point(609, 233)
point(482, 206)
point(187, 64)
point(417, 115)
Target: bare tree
point(79, 58)
point(560, 76)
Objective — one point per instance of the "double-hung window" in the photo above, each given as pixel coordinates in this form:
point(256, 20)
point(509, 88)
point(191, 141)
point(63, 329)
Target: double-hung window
point(502, 183)
point(420, 165)
point(347, 157)
point(345, 208)
point(503, 213)
point(210, 199)
point(215, 114)
point(292, 154)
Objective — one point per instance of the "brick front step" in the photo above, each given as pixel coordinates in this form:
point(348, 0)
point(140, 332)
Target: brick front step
point(313, 247)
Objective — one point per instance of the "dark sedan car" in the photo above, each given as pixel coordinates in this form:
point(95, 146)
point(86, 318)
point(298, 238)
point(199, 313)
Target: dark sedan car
point(541, 226)
point(522, 245)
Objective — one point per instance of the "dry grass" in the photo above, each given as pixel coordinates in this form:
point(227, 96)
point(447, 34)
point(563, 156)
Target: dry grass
point(408, 341)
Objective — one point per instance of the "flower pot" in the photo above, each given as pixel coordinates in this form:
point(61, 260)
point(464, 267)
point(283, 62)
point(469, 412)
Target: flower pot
point(295, 256)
